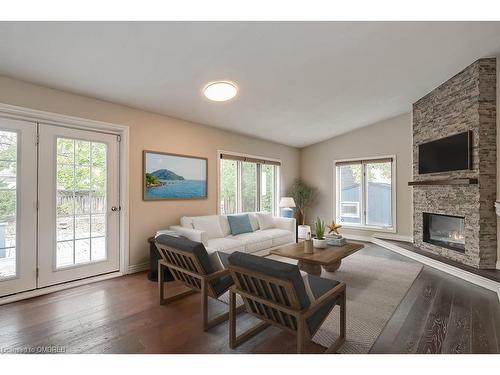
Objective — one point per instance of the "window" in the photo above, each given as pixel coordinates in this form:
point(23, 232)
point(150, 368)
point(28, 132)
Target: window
point(365, 193)
point(247, 184)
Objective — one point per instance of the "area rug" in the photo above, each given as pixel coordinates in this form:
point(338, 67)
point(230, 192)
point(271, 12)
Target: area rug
point(375, 287)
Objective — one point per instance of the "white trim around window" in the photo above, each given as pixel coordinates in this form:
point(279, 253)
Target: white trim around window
point(276, 187)
point(362, 204)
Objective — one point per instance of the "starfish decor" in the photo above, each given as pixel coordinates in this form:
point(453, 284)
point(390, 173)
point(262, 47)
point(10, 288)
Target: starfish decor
point(333, 228)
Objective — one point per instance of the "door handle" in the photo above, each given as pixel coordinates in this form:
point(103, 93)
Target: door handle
point(114, 208)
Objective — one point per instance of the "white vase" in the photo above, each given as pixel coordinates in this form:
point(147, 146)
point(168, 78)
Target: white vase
point(319, 244)
point(303, 232)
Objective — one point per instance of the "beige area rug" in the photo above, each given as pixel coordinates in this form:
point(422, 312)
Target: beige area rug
point(375, 287)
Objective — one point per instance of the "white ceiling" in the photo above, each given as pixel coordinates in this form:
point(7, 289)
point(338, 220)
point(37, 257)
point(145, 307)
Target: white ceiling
point(300, 82)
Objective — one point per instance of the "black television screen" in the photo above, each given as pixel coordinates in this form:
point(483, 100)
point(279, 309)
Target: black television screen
point(451, 153)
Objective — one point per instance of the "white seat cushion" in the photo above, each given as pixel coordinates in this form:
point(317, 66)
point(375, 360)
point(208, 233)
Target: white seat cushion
point(279, 236)
point(254, 241)
point(209, 224)
point(226, 245)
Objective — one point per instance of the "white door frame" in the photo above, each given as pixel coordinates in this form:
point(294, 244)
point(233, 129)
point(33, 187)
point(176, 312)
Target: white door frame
point(21, 113)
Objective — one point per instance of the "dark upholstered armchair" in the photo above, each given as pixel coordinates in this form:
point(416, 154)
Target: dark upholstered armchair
point(190, 264)
point(276, 293)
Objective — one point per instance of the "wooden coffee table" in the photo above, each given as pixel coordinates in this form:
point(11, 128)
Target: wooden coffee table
point(329, 258)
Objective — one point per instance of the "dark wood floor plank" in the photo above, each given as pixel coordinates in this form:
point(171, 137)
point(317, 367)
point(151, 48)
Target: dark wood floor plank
point(436, 326)
point(495, 308)
point(458, 336)
point(483, 336)
point(413, 328)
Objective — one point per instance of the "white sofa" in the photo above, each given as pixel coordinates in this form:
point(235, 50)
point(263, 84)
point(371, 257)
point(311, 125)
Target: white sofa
point(214, 232)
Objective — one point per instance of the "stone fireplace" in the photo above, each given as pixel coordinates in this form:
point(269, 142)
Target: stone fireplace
point(453, 212)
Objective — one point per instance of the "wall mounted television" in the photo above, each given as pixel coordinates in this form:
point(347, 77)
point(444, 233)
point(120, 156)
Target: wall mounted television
point(446, 154)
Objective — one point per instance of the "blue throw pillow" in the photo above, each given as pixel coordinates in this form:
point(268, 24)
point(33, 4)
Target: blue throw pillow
point(239, 224)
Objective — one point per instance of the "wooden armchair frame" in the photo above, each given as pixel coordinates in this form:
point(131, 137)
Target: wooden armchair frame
point(186, 268)
point(281, 308)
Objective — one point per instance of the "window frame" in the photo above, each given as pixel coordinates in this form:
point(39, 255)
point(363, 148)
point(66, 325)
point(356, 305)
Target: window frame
point(276, 185)
point(356, 204)
point(363, 213)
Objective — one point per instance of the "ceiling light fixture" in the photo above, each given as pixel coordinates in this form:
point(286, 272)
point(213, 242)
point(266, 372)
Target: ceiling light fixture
point(220, 91)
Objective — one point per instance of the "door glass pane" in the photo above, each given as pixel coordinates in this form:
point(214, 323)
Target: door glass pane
point(227, 190)
point(65, 253)
point(379, 194)
point(248, 187)
point(82, 251)
point(98, 249)
point(350, 193)
point(8, 203)
point(267, 188)
point(81, 198)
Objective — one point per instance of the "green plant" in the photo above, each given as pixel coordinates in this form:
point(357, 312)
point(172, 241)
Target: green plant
point(319, 229)
point(303, 195)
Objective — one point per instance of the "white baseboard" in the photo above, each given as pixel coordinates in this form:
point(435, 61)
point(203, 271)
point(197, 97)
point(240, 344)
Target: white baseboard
point(395, 237)
point(138, 267)
point(458, 272)
point(357, 237)
point(387, 236)
point(57, 288)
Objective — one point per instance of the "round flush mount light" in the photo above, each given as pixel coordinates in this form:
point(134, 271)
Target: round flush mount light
point(220, 91)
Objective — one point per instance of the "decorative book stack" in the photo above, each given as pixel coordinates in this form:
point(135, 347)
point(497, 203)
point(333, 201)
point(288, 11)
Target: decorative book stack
point(335, 239)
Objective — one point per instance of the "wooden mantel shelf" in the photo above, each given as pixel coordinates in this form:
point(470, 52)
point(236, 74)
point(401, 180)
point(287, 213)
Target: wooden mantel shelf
point(450, 181)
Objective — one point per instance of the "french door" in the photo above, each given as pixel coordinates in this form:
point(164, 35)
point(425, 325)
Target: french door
point(17, 205)
point(78, 214)
point(59, 205)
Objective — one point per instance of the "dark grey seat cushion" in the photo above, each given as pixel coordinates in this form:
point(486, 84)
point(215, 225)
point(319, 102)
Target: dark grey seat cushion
point(320, 286)
point(224, 258)
point(219, 285)
point(274, 268)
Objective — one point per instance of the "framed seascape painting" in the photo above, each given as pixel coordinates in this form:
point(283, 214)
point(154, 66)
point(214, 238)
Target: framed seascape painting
point(172, 176)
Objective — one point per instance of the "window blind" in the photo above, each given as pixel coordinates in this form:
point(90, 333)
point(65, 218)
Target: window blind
point(249, 159)
point(354, 162)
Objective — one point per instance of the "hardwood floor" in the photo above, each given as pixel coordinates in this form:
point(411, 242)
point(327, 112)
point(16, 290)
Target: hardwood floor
point(439, 314)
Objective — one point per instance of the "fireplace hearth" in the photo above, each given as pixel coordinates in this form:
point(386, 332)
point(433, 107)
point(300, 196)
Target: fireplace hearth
point(444, 230)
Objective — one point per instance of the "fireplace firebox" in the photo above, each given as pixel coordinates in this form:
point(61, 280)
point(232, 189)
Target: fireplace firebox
point(444, 230)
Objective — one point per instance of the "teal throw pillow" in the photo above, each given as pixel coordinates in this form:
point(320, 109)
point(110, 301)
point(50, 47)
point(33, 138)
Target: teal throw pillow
point(239, 224)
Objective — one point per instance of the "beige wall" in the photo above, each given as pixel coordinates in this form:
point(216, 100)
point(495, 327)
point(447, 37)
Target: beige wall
point(389, 137)
point(153, 132)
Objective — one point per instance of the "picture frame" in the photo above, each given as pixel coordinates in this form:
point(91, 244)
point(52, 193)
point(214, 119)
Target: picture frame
point(170, 176)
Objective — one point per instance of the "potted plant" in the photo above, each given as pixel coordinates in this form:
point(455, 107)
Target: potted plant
point(319, 241)
point(303, 195)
